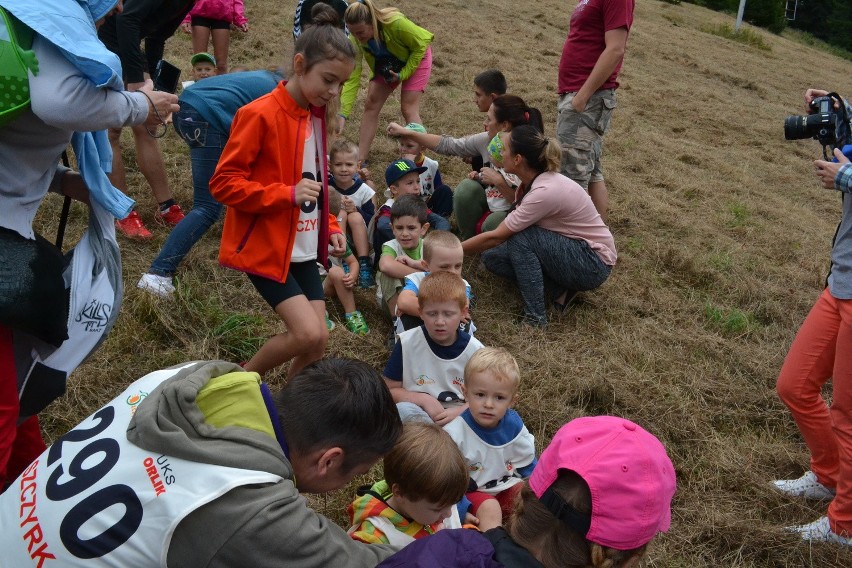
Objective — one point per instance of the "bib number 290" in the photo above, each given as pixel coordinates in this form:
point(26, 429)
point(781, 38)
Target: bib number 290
point(87, 467)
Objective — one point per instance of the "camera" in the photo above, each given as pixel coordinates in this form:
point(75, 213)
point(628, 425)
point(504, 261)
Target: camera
point(819, 124)
point(386, 66)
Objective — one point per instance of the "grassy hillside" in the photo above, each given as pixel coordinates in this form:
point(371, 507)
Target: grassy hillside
point(723, 237)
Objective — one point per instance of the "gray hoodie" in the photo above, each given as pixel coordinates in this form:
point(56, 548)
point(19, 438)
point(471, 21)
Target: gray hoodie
point(255, 525)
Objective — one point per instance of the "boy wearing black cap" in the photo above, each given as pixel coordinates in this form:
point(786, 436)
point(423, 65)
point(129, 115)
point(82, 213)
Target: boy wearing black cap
point(402, 177)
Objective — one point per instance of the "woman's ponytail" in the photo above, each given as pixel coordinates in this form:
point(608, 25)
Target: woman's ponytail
point(541, 153)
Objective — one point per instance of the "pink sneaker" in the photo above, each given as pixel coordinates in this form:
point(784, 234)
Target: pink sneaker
point(132, 227)
point(171, 216)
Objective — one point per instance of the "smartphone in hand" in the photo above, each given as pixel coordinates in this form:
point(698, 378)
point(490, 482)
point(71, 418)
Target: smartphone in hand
point(166, 77)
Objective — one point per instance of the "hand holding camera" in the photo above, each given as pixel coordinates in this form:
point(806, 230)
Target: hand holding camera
point(827, 171)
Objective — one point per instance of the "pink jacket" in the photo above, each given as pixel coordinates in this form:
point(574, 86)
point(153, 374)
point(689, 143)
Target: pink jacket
point(231, 11)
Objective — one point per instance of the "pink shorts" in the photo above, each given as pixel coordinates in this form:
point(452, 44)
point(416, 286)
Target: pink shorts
point(420, 78)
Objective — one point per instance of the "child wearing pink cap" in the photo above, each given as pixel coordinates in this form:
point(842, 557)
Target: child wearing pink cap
point(599, 494)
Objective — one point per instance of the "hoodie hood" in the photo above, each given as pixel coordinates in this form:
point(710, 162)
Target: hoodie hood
point(169, 421)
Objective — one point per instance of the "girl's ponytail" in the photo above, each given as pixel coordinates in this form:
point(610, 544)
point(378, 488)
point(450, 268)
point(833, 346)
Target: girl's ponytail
point(364, 12)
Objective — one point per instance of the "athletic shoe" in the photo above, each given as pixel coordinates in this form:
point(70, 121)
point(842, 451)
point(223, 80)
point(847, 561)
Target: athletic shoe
point(171, 216)
point(806, 487)
point(356, 324)
point(329, 325)
point(160, 286)
point(132, 227)
point(820, 531)
point(365, 274)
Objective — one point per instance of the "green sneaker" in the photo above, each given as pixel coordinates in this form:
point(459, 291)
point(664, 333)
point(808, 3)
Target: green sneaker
point(356, 324)
point(328, 323)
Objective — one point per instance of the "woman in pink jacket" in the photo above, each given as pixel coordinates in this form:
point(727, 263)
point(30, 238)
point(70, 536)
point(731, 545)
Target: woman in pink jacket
point(216, 18)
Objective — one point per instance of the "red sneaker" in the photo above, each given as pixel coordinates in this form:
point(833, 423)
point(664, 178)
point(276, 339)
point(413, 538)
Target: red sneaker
point(132, 227)
point(171, 216)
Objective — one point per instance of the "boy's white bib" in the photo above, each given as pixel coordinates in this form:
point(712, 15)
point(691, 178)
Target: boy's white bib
point(93, 498)
point(423, 371)
point(493, 468)
point(427, 178)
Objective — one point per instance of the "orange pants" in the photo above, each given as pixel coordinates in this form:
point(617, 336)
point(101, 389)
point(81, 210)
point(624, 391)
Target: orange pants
point(822, 350)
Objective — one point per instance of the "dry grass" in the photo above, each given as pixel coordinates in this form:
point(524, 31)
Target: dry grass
point(723, 237)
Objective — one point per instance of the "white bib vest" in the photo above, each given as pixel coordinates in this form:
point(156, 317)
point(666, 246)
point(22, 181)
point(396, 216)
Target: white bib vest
point(427, 178)
point(93, 498)
point(423, 371)
point(493, 468)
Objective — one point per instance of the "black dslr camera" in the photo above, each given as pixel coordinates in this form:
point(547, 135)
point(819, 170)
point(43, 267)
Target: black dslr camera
point(385, 66)
point(819, 124)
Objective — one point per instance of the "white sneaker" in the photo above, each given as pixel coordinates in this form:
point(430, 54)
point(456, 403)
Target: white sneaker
point(160, 286)
point(820, 531)
point(806, 487)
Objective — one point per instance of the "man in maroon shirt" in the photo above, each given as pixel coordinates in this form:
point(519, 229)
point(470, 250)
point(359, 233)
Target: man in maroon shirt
point(591, 59)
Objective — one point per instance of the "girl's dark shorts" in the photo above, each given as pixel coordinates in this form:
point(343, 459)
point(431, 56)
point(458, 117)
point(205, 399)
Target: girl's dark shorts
point(211, 23)
point(302, 280)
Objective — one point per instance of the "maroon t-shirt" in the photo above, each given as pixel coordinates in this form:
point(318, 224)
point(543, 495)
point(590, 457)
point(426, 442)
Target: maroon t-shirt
point(585, 43)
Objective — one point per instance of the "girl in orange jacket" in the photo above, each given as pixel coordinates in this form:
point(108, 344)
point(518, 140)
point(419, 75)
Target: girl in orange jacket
point(272, 178)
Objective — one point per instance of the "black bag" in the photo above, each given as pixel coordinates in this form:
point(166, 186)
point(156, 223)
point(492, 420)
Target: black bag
point(33, 298)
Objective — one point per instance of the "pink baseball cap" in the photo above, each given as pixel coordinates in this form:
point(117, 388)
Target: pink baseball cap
point(631, 478)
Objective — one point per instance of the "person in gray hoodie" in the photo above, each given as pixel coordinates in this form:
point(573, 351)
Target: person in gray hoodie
point(201, 465)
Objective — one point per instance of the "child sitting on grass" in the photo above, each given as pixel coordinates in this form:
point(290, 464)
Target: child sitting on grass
point(498, 448)
point(341, 279)
point(425, 372)
point(401, 256)
point(425, 476)
point(442, 252)
point(437, 195)
point(600, 493)
point(357, 204)
point(402, 178)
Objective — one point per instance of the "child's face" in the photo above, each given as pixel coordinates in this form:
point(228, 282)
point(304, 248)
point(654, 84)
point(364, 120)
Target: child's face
point(446, 259)
point(442, 320)
point(409, 146)
point(421, 511)
point(408, 231)
point(344, 165)
point(202, 70)
point(409, 184)
point(319, 84)
point(482, 99)
point(488, 397)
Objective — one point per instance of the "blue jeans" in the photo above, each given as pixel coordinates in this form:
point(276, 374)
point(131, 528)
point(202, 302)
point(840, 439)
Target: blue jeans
point(205, 147)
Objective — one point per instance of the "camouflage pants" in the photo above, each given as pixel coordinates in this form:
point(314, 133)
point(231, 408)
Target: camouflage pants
point(581, 135)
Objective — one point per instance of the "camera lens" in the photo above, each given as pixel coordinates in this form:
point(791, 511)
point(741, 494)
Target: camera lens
point(795, 128)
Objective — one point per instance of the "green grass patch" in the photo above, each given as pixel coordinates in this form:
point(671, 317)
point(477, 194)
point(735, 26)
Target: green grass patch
point(730, 321)
point(739, 214)
point(721, 261)
point(744, 36)
point(811, 40)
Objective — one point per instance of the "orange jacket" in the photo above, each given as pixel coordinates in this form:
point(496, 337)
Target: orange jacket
point(256, 178)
